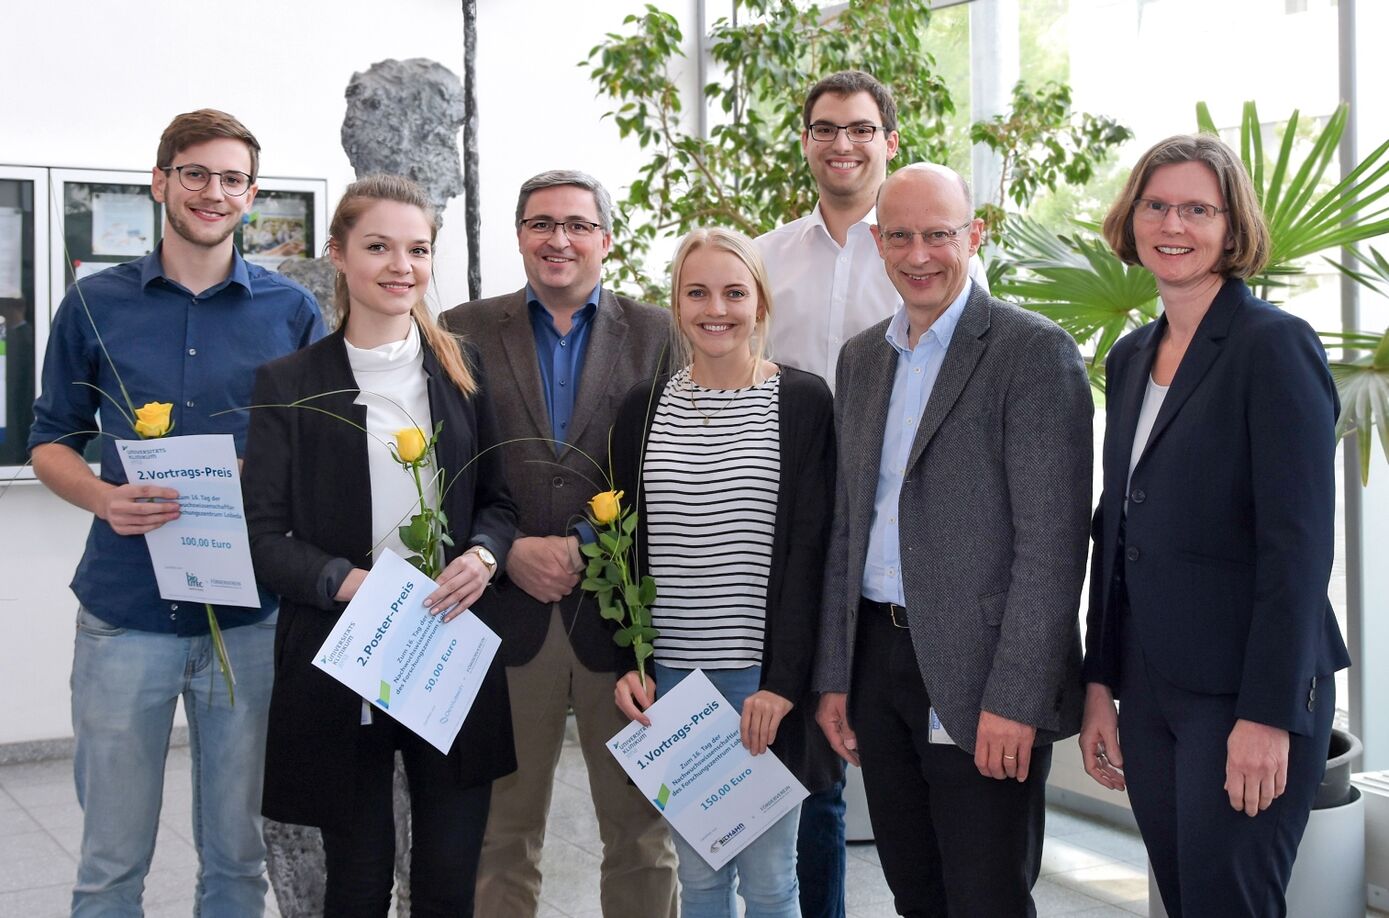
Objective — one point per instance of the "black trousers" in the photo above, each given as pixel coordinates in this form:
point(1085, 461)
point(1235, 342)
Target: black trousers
point(1210, 860)
point(447, 823)
point(952, 842)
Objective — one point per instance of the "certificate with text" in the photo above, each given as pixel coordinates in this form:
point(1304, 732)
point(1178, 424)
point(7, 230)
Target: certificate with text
point(204, 555)
point(388, 649)
point(693, 767)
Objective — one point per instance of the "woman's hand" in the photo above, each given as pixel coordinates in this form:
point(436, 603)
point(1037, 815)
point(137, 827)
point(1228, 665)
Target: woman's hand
point(762, 714)
point(350, 585)
point(1256, 766)
point(460, 584)
point(1099, 737)
point(633, 698)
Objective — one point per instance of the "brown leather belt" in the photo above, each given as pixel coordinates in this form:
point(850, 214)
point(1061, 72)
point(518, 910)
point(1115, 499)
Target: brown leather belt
point(895, 613)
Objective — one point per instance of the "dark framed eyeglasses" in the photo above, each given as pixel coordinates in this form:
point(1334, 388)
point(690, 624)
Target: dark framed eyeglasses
point(1190, 212)
point(574, 229)
point(860, 132)
point(195, 177)
point(901, 238)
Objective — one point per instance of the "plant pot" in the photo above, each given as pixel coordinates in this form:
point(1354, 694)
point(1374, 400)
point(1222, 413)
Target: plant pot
point(1335, 789)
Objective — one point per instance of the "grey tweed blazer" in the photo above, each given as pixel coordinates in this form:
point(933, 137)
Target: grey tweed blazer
point(551, 487)
point(994, 518)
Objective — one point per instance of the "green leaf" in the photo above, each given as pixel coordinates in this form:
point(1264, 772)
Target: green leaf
point(647, 593)
point(629, 524)
point(590, 550)
point(593, 584)
point(624, 636)
point(1363, 386)
point(643, 652)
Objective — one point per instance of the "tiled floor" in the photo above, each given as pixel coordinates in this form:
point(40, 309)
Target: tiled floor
point(1088, 868)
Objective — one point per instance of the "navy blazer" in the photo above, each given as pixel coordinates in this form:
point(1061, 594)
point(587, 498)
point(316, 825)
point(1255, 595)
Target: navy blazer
point(307, 487)
point(1228, 540)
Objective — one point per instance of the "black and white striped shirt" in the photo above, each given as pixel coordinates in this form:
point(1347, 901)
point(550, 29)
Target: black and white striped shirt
point(709, 479)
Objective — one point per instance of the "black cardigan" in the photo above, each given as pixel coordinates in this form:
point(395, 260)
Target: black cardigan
point(805, 502)
point(307, 488)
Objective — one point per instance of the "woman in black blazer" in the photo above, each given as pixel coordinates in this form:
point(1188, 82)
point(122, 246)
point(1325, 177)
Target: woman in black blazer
point(734, 515)
point(1213, 542)
point(322, 492)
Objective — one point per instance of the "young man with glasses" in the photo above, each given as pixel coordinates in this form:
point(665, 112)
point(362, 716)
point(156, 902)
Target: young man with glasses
point(560, 354)
point(828, 285)
point(187, 324)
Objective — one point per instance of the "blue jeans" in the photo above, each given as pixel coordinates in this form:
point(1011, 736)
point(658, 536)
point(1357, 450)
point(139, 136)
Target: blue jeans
point(821, 858)
point(125, 687)
point(765, 871)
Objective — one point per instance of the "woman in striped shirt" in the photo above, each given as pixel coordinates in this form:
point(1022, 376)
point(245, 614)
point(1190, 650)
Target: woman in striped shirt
point(731, 460)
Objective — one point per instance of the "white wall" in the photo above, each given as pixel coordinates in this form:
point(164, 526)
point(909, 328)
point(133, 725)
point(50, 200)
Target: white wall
point(93, 85)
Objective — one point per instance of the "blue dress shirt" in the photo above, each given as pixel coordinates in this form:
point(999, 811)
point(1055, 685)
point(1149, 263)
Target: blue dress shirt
point(561, 358)
point(912, 382)
point(198, 351)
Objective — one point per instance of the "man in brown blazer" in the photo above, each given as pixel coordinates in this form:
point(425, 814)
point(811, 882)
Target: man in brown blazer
point(560, 355)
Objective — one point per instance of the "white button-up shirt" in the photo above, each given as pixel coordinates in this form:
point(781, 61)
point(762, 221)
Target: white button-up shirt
point(823, 293)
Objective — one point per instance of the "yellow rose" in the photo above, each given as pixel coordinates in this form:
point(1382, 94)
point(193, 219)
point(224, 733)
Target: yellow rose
point(152, 419)
point(606, 507)
point(410, 442)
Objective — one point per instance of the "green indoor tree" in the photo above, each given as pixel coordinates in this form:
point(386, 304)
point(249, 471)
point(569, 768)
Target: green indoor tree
point(748, 173)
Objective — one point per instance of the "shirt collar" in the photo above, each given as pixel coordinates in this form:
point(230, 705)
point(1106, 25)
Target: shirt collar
point(152, 268)
point(943, 329)
point(538, 310)
point(817, 220)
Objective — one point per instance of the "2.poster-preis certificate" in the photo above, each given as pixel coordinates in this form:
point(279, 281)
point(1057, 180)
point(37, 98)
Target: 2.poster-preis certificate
point(204, 555)
point(387, 648)
point(692, 765)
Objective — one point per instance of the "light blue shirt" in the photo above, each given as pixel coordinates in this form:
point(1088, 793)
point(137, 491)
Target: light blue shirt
point(912, 382)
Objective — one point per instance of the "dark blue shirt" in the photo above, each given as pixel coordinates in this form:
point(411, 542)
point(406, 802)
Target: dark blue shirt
point(168, 345)
point(561, 358)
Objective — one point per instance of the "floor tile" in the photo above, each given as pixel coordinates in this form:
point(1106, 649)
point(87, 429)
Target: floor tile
point(38, 902)
point(1114, 843)
point(1113, 883)
point(1062, 855)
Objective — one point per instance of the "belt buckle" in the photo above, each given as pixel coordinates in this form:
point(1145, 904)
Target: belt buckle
point(892, 610)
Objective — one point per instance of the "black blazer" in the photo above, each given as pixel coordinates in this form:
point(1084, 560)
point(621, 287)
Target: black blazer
point(307, 487)
point(1227, 544)
point(805, 501)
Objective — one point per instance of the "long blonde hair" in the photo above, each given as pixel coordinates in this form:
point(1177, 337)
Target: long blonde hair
point(356, 200)
point(742, 248)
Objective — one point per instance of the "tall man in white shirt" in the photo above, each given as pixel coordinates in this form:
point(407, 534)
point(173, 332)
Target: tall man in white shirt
point(828, 285)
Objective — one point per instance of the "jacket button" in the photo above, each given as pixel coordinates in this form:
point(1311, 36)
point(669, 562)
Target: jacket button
point(1131, 553)
point(557, 481)
point(1137, 496)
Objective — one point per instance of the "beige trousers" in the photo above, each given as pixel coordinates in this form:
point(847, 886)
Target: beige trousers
point(638, 872)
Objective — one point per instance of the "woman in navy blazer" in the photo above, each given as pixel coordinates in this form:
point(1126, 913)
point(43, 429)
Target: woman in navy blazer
point(322, 493)
point(1213, 544)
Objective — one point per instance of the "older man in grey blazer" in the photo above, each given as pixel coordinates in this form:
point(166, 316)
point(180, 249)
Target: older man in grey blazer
point(950, 648)
point(559, 355)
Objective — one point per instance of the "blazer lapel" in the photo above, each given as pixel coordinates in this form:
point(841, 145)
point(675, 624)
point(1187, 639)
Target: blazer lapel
point(871, 421)
point(1128, 401)
point(518, 341)
point(351, 469)
point(1200, 355)
point(605, 340)
point(966, 347)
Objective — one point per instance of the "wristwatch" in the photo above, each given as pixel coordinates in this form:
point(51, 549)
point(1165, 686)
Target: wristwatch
point(486, 557)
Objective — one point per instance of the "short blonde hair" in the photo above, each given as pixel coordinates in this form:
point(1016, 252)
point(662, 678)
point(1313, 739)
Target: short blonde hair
point(744, 250)
point(1249, 237)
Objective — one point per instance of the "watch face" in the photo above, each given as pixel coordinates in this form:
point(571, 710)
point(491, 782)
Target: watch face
point(487, 557)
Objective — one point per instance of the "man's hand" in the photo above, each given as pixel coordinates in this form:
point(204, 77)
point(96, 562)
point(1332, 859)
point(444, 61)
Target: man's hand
point(1099, 737)
point(542, 566)
point(1256, 765)
point(834, 722)
point(137, 509)
point(762, 714)
point(1003, 747)
point(633, 698)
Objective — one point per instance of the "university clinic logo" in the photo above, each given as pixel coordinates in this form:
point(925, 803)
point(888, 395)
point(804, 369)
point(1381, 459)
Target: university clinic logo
point(662, 798)
point(385, 699)
point(192, 581)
